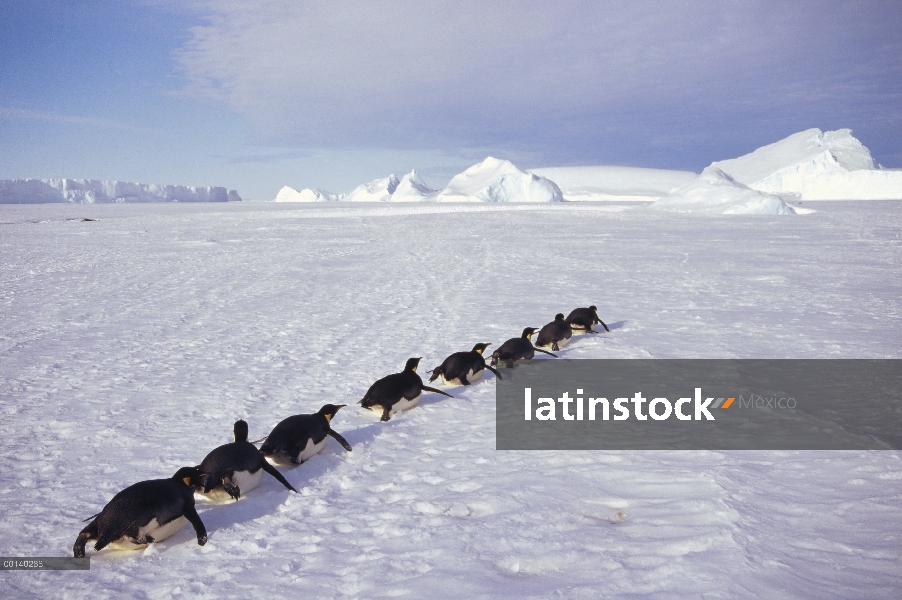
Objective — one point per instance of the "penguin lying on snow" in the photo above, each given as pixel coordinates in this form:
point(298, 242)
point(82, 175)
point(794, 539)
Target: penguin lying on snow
point(584, 320)
point(517, 350)
point(143, 513)
point(235, 468)
point(301, 436)
point(463, 368)
point(399, 391)
point(556, 334)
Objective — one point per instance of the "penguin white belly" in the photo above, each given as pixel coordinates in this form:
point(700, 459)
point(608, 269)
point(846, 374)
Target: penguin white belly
point(472, 377)
point(310, 449)
point(153, 529)
point(404, 403)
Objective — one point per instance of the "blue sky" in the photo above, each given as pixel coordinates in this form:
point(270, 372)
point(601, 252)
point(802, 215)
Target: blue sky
point(257, 95)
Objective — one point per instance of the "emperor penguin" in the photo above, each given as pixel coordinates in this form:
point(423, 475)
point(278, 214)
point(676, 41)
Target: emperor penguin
point(463, 368)
point(299, 437)
point(143, 513)
point(236, 468)
point(398, 391)
point(517, 350)
point(584, 320)
point(556, 334)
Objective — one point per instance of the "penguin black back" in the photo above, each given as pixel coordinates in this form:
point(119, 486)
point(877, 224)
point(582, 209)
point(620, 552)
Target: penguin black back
point(517, 349)
point(236, 466)
point(583, 320)
point(398, 391)
point(146, 512)
point(300, 436)
point(556, 334)
point(463, 367)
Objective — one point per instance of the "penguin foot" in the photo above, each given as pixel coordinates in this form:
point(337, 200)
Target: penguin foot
point(201, 540)
point(231, 488)
point(386, 415)
point(554, 346)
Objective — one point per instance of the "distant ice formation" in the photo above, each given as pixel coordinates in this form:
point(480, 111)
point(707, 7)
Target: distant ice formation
point(90, 191)
point(378, 190)
point(606, 183)
point(497, 180)
point(816, 165)
point(715, 192)
point(412, 189)
point(288, 194)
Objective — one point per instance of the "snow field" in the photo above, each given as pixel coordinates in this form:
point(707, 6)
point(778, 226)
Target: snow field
point(130, 345)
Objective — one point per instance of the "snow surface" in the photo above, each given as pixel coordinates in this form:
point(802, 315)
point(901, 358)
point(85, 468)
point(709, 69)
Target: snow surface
point(91, 191)
point(716, 192)
point(129, 346)
point(605, 183)
point(816, 165)
point(497, 180)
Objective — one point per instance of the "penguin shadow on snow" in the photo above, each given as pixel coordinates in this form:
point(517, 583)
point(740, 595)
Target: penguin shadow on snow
point(617, 325)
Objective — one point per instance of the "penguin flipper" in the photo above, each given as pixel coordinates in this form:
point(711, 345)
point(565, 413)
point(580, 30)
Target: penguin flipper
point(546, 352)
point(272, 471)
point(435, 374)
point(605, 326)
point(344, 443)
point(193, 518)
point(492, 369)
point(91, 517)
point(426, 388)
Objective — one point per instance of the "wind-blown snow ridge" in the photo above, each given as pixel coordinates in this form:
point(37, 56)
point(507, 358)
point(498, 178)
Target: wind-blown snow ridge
point(715, 192)
point(91, 191)
point(497, 180)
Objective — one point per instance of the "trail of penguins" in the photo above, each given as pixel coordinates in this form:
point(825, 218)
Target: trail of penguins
point(151, 511)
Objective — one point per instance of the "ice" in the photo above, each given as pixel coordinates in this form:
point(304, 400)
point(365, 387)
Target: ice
point(715, 192)
point(412, 189)
point(288, 194)
point(90, 191)
point(816, 165)
point(497, 180)
point(614, 183)
point(378, 190)
point(130, 344)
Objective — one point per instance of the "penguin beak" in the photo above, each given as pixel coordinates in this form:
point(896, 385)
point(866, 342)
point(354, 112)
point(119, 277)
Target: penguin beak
point(337, 406)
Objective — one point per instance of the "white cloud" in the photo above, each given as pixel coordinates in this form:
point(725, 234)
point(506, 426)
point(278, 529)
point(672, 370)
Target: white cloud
point(411, 73)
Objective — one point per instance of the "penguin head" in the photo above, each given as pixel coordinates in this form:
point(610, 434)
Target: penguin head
point(412, 364)
point(329, 410)
point(240, 430)
point(190, 476)
point(593, 308)
point(480, 348)
point(559, 317)
point(527, 333)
